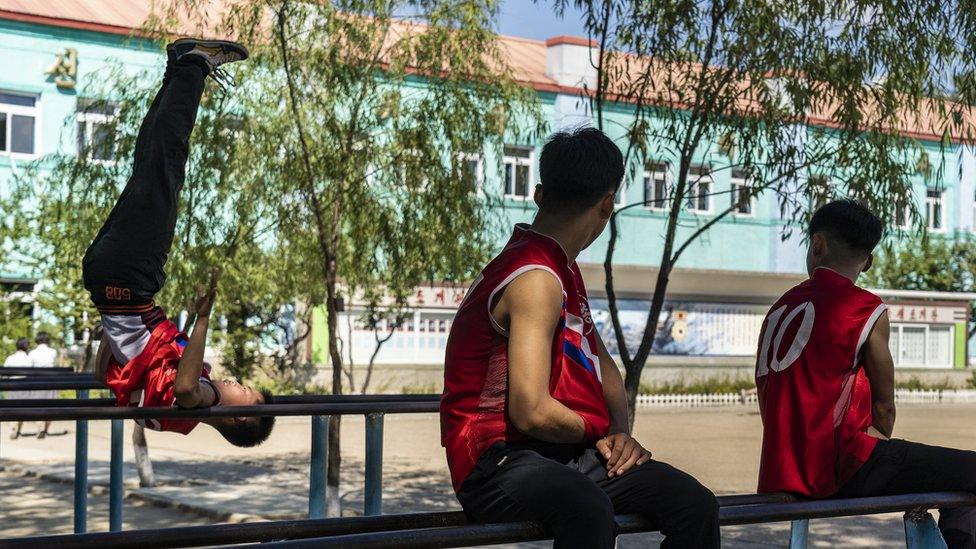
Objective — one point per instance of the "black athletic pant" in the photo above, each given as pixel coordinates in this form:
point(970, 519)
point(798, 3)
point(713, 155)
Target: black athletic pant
point(123, 267)
point(902, 467)
point(565, 486)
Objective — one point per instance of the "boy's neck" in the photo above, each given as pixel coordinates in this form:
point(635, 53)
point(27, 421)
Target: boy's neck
point(565, 231)
point(847, 271)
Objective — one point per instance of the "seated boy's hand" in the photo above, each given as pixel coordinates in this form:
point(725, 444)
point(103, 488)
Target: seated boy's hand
point(621, 451)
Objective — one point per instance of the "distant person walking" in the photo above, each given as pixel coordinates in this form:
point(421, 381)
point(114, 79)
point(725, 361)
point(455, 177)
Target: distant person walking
point(43, 356)
point(19, 359)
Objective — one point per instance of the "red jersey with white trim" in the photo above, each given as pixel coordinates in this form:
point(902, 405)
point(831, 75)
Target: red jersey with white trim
point(473, 406)
point(814, 397)
point(147, 379)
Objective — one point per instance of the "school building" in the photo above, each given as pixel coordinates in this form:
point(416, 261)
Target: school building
point(718, 294)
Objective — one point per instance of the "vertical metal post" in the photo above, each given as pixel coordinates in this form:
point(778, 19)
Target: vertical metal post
point(115, 477)
point(374, 464)
point(318, 467)
point(799, 532)
point(81, 470)
point(921, 531)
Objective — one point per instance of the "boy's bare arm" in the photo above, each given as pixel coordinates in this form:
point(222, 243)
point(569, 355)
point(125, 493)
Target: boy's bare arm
point(189, 392)
point(530, 307)
point(880, 369)
point(101, 358)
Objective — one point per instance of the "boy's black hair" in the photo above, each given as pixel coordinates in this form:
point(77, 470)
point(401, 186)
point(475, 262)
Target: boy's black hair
point(849, 222)
point(23, 344)
point(249, 433)
point(42, 338)
point(578, 168)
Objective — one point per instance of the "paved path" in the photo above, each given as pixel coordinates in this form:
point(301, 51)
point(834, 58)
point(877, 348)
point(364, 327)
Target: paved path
point(214, 481)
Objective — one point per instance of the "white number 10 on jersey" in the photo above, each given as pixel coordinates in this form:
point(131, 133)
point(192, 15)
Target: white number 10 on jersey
point(767, 356)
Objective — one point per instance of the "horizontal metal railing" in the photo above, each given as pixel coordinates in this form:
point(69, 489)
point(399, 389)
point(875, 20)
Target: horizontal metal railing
point(319, 407)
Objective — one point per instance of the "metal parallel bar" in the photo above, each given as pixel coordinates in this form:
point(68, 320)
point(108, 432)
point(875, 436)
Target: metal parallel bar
point(421, 523)
point(799, 534)
point(56, 402)
point(299, 399)
point(373, 504)
point(921, 531)
point(54, 385)
point(37, 384)
point(116, 476)
point(812, 509)
point(342, 408)
point(34, 371)
point(81, 472)
point(318, 467)
point(246, 532)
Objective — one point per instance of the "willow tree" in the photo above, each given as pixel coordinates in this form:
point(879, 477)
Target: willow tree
point(803, 100)
point(372, 110)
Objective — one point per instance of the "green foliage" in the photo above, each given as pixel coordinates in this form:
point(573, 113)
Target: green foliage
point(713, 385)
point(805, 100)
point(925, 262)
point(15, 323)
point(915, 384)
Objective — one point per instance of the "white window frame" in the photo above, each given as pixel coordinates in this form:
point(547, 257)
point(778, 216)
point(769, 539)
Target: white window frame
point(899, 327)
point(516, 161)
point(652, 171)
point(930, 203)
point(90, 119)
point(736, 186)
point(694, 184)
point(11, 111)
point(620, 197)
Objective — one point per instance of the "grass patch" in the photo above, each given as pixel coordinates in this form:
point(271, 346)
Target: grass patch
point(699, 386)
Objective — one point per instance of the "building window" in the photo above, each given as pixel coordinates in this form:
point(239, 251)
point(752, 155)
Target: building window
point(921, 345)
point(95, 130)
point(903, 216)
point(18, 118)
point(933, 210)
point(742, 199)
point(656, 186)
point(699, 189)
point(472, 170)
point(518, 172)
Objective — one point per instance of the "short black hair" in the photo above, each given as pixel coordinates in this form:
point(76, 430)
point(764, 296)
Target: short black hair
point(23, 344)
point(42, 338)
point(578, 168)
point(849, 222)
point(249, 433)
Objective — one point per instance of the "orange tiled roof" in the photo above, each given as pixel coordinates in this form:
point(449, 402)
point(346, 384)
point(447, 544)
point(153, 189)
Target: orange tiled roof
point(526, 57)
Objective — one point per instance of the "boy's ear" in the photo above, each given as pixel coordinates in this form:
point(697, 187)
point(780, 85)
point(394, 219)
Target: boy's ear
point(870, 262)
point(537, 196)
point(607, 205)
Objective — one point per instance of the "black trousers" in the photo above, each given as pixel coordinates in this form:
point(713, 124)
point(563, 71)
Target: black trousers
point(901, 467)
point(124, 266)
point(567, 489)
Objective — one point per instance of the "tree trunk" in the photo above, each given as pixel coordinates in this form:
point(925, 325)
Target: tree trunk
point(333, 504)
point(147, 478)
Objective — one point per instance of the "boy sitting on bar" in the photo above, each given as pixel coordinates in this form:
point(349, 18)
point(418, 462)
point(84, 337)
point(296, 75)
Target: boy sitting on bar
point(826, 384)
point(144, 359)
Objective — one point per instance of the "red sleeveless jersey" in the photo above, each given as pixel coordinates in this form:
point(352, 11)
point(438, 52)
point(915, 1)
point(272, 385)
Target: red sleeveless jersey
point(814, 398)
point(147, 379)
point(473, 406)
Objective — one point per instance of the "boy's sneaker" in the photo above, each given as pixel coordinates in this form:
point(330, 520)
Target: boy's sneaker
point(212, 53)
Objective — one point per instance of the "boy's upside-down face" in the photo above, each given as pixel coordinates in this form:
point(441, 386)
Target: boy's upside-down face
point(233, 393)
